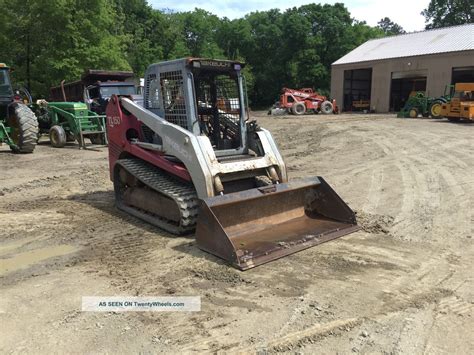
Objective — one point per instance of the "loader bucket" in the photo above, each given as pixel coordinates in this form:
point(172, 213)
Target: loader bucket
point(255, 226)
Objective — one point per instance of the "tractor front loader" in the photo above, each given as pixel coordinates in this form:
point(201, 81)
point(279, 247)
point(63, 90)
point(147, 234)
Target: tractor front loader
point(18, 124)
point(190, 159)
point(417, 104)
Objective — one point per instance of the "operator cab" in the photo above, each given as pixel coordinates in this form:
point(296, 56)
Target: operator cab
point(5, 85)
point(6, 91)
point(217, 86)
point(204, 96)
point(97, 96)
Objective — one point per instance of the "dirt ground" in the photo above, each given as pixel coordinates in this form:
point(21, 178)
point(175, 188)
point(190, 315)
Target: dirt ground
point(402, 285)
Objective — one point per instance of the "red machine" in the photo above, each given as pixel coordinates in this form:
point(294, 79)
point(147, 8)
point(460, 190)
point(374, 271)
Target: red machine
point(190, 159)
point(300, 101)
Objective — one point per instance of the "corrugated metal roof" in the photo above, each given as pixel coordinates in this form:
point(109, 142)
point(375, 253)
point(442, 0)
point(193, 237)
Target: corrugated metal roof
point(440, 40)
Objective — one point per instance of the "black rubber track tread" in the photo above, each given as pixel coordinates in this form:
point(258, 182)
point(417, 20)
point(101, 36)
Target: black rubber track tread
point(154, 178)
point(28, 125)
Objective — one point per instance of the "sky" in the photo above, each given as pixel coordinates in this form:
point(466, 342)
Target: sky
point(404, 12)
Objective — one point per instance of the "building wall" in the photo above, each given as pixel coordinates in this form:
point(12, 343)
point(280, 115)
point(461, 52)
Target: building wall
point(439, 69)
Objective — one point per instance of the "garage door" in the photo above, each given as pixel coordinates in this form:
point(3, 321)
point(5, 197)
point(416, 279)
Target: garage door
point(403, 84)
point(462, 75)
point(357, 87)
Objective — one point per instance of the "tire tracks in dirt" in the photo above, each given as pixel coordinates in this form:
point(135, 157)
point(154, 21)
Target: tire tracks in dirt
point(425, 194)
point(375, 279)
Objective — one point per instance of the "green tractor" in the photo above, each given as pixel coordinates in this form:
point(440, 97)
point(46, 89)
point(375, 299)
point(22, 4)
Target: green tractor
point(18, 124)
point(418, 104)
point(69, 122)
point(437, 103)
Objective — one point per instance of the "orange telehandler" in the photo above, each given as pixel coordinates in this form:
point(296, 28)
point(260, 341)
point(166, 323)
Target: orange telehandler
point(300, 101)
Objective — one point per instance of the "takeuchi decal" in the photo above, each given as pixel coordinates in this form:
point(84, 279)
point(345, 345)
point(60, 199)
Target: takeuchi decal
point(214, 63)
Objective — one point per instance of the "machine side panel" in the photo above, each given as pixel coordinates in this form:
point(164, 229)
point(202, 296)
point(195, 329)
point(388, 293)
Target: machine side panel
point(181, 144)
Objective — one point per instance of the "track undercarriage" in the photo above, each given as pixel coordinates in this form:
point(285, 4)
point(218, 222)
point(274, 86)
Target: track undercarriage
point(151, 194)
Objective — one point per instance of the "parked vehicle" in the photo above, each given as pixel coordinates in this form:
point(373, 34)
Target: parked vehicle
point(95, 89)
point(70, 121)
point(420, 104)
point(461, 104)
point(417, 104)
point(300, 101)
point(18, 124)
point(437, 103)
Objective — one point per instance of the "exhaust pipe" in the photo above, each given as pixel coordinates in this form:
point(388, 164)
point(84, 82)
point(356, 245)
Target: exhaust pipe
point(63, 91)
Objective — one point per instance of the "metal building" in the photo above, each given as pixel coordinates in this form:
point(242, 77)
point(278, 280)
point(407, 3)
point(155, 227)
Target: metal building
point(381, 73)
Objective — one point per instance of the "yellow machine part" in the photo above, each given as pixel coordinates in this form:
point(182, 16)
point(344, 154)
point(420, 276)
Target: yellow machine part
point(461, 105)
point(467, 110)
point(464, 87)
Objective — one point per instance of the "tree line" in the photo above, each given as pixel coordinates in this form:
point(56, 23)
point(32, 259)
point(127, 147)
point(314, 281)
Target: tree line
point(47, 41)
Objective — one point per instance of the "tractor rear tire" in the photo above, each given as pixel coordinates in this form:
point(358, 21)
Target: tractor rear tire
point(435, 109)
point(57, 137)
point(24, 126)
point(413, 113)
point(298, 108)
point(327, 107)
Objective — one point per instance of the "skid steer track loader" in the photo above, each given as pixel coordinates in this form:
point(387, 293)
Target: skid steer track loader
point(190, 159)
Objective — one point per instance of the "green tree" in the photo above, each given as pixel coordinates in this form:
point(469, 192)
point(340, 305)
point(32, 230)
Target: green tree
point(197, 30)
point(328, 39)
point(50, 40)
point(233, 37)
point(389, 27)
point(443, 13)
point(144, 32)
point(295, 48)
point(264, 54)
point(361, 32)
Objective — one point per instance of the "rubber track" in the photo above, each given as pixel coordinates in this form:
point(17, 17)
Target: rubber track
point(182, 193)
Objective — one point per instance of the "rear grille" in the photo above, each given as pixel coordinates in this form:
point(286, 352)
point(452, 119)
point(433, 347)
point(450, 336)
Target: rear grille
point(114, 150)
